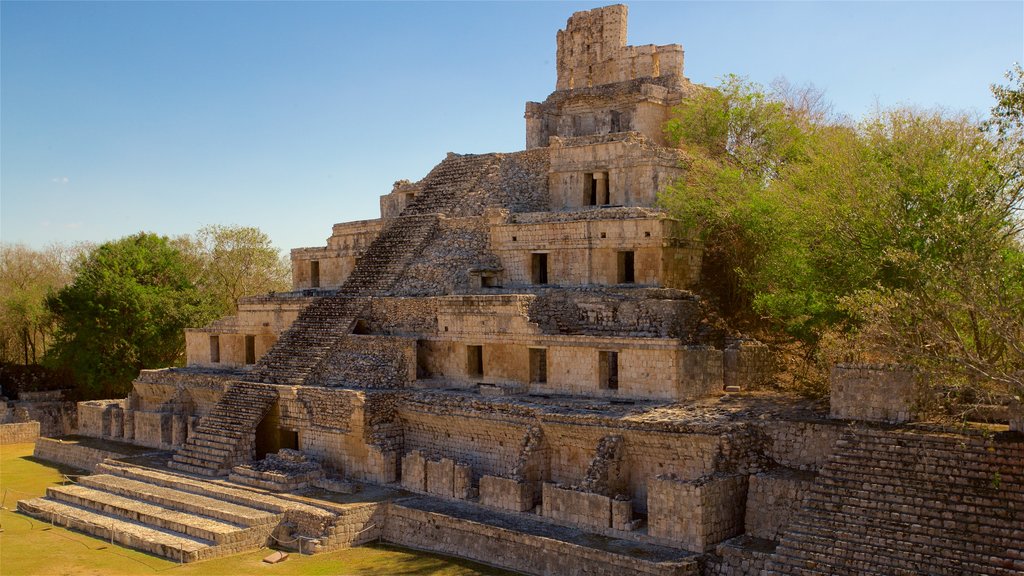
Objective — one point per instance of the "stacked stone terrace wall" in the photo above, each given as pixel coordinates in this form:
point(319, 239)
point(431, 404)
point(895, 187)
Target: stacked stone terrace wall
point(19, 432)
point(894, 502)
point(657, 313)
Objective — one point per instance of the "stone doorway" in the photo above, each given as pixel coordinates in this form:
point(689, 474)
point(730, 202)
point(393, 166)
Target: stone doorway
point(270, 437)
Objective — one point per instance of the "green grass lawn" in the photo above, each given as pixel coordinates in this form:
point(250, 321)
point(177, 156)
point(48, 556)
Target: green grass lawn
point(29, 546)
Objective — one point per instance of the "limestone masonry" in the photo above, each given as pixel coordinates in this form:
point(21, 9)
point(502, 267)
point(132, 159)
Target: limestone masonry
point(509, 366)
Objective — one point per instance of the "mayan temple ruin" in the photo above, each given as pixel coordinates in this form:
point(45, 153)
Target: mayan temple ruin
point(509, 366)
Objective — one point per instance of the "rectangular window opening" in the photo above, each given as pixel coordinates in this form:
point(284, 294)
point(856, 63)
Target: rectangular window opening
point(475, 361)
point(538, 365)
point(608, 365)
point(539, 268)
point(214, 349)
point(626, 268)
point(314, 274)
point(250, 349)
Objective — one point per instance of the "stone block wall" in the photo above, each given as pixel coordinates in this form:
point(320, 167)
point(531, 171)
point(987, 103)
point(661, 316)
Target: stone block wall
point(506, 494)
point(574, 508)
point(773, 498)
point(746, 364)
point(364, 361)
point(1016, 415)
point(586, 251)
point(635, 175)
point(19, 432)
point(696, 514)
point(444, 477)
point(488, 446)
point(72, 454)
point(337, 259)
point(101, 418)
point(871, 392)
point(800, 445)
point(425, 530)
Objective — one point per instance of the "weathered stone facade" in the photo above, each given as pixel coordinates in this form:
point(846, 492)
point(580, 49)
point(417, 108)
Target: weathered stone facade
point(514, 343)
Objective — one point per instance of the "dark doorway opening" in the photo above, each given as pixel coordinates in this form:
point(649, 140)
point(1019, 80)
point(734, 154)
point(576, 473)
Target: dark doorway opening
point(539, 268)
point(314, 274)
point(475, 361)
point(627, 270)
point(609, 368)
point(250, 349)
point(270, 437)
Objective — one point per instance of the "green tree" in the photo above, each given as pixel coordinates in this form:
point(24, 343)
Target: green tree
point(125, 310)
point(229, 262)
point(897, 238)
point(27, 276)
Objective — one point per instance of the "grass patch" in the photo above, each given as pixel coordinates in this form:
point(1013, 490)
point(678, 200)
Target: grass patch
point(31, 547)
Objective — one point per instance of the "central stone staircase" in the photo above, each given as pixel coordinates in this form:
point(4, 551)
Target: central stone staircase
point(900, 503)
point(325, 322)
point(226, 436)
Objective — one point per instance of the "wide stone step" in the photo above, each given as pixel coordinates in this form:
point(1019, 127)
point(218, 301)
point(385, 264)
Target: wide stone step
point(150, 514)
point(166, 543)
point(180, 500)
point(207, 488)
point(196, 469)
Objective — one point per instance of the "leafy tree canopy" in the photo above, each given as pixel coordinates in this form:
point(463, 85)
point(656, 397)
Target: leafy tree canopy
point(229, 262)
point(897, 238)
point(126, 309)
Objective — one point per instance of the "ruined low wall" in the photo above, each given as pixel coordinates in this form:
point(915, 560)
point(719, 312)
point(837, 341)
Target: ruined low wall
point(72, 454)
point(871, 392)
point(513, 550)
point(19, 432)
point(444, 477)
point(506, 494)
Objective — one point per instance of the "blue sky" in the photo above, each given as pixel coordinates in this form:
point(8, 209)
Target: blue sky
point(120, 117)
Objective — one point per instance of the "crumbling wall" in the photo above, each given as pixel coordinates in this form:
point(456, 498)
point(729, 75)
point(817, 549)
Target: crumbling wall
point(592, 50)
point(369, 362)
point(646, 312)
